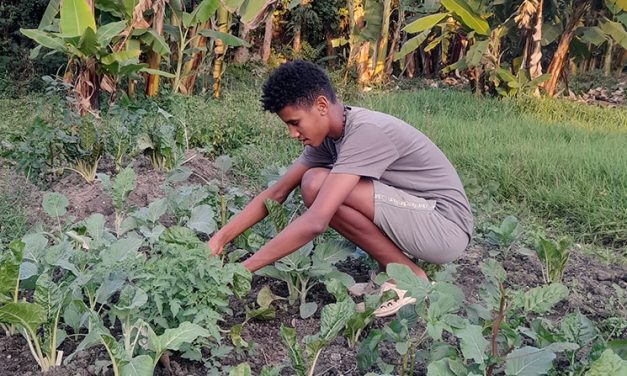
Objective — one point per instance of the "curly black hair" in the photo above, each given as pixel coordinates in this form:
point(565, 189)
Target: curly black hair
point(295, 83)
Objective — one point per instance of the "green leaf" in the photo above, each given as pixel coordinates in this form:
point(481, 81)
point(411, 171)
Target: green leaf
point(172, 339)
point(228, 39)
point(242, 369)
point(202, 219)
point(592, 35)
point(331, 252)
point(121, 250)
point(156, 42)
point(45, 39)
point(88, 44)
point(49, 14)
point(204, 11)
point(550, 33)
point(473, 344)
point(10, 269)
point(55, 204)
point(250, 9)
point(288, 337)
point(368, 353)
point(408, 281)
point(608, 364)
point(106, 32)
point(141, 365)
point(541, 299)
point(469, 17)
point(333, 319)
point(476, 52)
point(529, 361)
point(440, 368)
point(308, 309)
point(121, 57)
point(29, 315)
point(49, 295)
point(76, 17)
point(616, 6)
point(122, 187)
point(411, 45)
point(579, 329)
point(373, 18)
point(616, 31)
point(424, 23)
point(277, 214)
point(157, 72)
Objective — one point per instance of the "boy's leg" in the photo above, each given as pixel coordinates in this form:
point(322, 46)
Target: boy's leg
point(354, 220)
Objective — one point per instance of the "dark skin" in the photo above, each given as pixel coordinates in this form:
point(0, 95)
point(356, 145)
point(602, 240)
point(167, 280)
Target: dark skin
point(343, 201)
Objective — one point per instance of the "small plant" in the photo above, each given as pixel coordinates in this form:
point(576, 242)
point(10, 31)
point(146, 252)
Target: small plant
point(505, 235)
point(501, 317)
point(84, 149)
point(120, 189)
point(554, 256)
point(161, 143)
point(10, 261)
point(332, 320)
point(305, 267)
point(39, 321)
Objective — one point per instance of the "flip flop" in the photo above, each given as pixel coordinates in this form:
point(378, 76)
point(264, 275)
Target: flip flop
point(392, 306)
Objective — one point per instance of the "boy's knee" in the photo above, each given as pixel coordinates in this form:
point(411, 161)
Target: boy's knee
point(311, 182)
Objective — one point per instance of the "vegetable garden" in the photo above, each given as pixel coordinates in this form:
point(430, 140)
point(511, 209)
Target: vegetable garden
point(115, 174)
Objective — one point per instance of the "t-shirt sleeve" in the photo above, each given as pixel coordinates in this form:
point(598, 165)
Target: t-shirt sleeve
point(315, 157)
point(366, 151)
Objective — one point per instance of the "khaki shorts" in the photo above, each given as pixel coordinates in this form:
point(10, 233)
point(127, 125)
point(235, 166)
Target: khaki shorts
point(414, 225)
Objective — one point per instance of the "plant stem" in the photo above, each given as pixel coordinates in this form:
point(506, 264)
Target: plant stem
point(496, 326)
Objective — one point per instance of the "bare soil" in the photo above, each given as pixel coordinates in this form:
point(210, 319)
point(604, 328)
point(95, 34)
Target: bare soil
point(589, 280)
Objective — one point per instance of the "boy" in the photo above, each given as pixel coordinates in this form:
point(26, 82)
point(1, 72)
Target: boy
point(378, 181)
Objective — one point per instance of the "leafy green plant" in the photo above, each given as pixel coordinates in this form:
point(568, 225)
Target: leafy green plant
point(553, 255)
point(188, 285)
point(10, 261)
point(160, 143)
point(506, 234)
point(140, 338)
point(119, 190)
point(333, 318)
point(39, 321)
point(307, 266)
point(500, 316)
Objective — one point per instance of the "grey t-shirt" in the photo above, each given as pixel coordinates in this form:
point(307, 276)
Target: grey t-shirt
point(385, 148)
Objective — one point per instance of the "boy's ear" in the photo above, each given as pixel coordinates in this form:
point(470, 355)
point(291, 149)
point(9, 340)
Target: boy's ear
point(322, 105)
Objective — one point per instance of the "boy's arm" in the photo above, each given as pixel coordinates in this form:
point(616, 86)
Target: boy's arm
point(256, 209)
point(332, 194)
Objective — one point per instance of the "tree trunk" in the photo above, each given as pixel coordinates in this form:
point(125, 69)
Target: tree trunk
point(363, 63)
point(190, 70)
point(607, 60)
point(219, 50)
point(557, 63)
point(396, 38)
point(535, 51)
point(242, 53)
point(267, 36)
point(154, 59)
point(382, 44)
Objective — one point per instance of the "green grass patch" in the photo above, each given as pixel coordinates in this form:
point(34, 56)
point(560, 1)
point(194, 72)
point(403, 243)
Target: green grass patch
point(13, 221)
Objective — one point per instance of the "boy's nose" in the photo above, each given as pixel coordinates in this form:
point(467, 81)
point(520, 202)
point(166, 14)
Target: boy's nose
point(293, 132)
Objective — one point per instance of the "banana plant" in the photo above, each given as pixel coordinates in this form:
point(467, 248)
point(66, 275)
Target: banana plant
point(90, 50)
point(191, 31)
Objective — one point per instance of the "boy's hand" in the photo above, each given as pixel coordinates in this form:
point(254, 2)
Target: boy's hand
point(215, 246)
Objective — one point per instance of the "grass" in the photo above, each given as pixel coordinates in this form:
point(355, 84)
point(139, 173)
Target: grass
point(562, 162)
point(13, 222)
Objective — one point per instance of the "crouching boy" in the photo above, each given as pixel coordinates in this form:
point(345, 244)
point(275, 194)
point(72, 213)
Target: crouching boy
point(375, 179)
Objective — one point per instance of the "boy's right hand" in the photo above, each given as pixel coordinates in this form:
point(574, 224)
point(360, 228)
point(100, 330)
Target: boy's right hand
point(215, 246)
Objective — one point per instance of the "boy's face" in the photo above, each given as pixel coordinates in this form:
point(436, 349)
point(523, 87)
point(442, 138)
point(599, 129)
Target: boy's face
point(308, 125)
